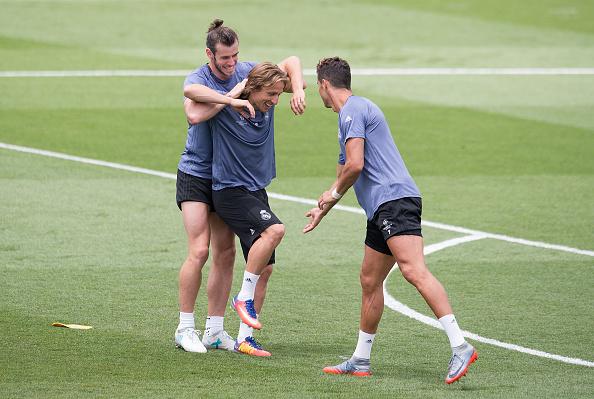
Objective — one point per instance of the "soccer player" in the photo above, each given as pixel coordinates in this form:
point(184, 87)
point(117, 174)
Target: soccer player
point(370, 161)
point(194, 196)
point(243, 166)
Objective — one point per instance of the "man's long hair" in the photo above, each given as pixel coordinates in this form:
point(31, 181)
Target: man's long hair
point(264, 75)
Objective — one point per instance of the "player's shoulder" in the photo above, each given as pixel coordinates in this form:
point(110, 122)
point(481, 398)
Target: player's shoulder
point(355, 106)
point(198, 75)
point(358, 103)
point(368, 107)
point(244, 67)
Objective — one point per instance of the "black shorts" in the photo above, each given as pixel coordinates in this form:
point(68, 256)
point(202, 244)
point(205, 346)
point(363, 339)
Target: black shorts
point(394, 218)
point(247, 213)
point(193, 188)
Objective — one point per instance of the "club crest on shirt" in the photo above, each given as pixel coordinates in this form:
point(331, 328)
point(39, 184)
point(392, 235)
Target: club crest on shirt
point(241, 121)
point(265, 215)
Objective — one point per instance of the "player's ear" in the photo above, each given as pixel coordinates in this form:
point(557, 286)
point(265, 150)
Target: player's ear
point(209, 53)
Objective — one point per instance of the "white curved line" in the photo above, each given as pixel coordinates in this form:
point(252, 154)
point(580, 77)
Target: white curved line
point(389, 300)
point(399, 307)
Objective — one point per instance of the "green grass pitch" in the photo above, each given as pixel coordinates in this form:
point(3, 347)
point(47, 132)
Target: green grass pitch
point(511, 155)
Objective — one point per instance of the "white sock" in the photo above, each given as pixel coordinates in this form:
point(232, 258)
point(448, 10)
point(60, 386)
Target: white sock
point(186, 320)
point(248, 287)
point(450, 325)
point(244, 332)
point(364, 344)
point(214, 324)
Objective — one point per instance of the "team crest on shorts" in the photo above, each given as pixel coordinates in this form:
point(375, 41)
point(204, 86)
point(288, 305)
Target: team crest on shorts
point(387, 226)
point(265, 215)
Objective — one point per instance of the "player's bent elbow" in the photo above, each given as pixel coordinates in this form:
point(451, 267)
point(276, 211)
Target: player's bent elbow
point(190, 91)
point(194, 118)
point(355, 167)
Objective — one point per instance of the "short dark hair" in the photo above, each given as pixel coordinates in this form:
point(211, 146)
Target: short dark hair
point(336, 71)
point(217, 33)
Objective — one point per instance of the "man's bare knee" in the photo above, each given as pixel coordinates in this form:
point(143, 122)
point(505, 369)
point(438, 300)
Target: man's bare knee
point(275, 233)
point(369, 282)
point(414, 274)
point(224, 257)
point(198, 256)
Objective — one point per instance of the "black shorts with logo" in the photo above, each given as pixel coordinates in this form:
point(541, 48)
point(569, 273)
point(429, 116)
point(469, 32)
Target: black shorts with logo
point(193, 188)
point(247, 213)
point(394, 218)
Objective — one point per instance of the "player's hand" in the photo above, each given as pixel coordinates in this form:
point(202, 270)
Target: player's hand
point(298, 102)
point(315, 215)
point(243, 107)
point(238, 89)
point(326, 199)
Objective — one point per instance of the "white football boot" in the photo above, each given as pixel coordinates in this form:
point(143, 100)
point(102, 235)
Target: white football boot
point(220, 340)
point(189, 340)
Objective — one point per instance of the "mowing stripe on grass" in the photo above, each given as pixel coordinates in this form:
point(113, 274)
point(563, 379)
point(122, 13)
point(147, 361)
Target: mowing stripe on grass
point(283, 197)
point(389, 300)
point(312, 72)
point(399, 307)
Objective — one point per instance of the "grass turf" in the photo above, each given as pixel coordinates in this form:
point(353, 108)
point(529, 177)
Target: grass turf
point(83, 244)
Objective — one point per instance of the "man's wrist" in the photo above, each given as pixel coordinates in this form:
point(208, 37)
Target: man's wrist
point(335, 194)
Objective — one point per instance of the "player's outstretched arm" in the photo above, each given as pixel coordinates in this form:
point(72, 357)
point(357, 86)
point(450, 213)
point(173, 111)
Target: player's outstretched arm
point(292, 67)
point(349, 173)
point(315, 216)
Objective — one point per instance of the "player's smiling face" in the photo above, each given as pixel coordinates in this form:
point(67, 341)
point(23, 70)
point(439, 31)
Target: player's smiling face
point(223, 62)
point(268, 96)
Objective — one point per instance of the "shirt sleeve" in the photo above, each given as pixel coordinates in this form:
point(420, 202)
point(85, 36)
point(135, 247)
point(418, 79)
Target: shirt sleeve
point(353, 123)
point(196, 77)
point(244, 68)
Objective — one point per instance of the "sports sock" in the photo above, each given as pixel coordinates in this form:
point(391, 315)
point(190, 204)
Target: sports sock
point(244, 332)
point(214, 324)
point(364, 344)
point(248, 287)
point(186, 320)
point(450, 325)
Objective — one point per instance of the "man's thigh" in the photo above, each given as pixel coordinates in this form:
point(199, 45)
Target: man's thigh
point(195, 218)
point(247, 213)
point(192, 188)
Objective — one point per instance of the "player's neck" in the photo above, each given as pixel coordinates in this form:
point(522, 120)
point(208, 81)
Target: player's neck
point(217, 73)
point(339, 98)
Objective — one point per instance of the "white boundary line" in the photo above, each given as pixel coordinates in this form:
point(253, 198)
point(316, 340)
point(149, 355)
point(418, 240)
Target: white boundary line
point(389, 300)
point(399, 307)
point(457, 229)
point(312, 72)
point(301, 200)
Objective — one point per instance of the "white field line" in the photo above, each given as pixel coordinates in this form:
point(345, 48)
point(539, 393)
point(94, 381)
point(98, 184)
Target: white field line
point(300, 200)
point(312, 72)
point(389, 300)
point(448, 227)
point(399, 307)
